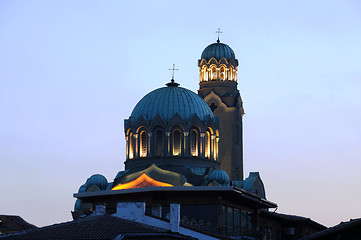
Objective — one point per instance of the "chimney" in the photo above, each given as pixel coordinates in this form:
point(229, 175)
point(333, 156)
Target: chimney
point(174, 217)
point(133, 211)
point(99, 210)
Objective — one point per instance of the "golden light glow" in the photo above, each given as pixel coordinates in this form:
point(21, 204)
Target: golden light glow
point(176, 143)
point(130, 144)
point(194, 143)
point(213, 73)
point(207, 147)
point(143, 144)
point(142, 181)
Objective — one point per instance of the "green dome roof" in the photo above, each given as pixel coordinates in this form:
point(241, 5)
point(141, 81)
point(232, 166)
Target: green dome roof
point(98, 180)
point(218, 50)
point(168, 101)
point(219, 176)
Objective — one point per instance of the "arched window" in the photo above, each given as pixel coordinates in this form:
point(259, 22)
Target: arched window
point(222, 73)
point(143, 144)
point(205, 74)
point(159, 143)
point(230, 76)
point(177, 143)
point(193, 140)
point(207, 146)
point(131, 148)
point(214, 73)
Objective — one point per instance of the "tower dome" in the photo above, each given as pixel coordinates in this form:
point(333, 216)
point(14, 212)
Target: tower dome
point(220, 176)
point(98, 180)
point(171, 100)
point(218, 50)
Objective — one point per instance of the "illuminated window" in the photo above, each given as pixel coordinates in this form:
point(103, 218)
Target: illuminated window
point(131, 149)
point(230, 77)
point(205, 74)
point(143, 144)
point(193, 139)
point(207, 146)
point(159, 143)
point(176, 143)
point(222, 74)
point(214, 73)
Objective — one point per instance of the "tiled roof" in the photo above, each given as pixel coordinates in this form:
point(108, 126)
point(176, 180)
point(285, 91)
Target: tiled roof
point(13, 224)
point(95, 227)
point(292, 218)
point(340, 229)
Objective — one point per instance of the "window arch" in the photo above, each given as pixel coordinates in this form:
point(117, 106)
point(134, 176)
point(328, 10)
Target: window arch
point(222, 73)
point(193, 143)
point(205, 73)
point(213, 73)
point(130, 145)
point(230, 76)
point(207, 145)
point(159, 143)
point(177, 143)
point(143, 144)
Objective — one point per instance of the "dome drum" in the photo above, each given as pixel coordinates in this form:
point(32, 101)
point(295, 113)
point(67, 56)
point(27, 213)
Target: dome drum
point(174, 139)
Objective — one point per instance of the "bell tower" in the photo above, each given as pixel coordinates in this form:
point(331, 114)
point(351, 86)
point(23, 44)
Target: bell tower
point(218, 87)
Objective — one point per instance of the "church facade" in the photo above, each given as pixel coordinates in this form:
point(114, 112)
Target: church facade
point(187, 149)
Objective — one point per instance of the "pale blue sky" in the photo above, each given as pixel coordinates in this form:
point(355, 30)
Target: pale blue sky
point(72, 71)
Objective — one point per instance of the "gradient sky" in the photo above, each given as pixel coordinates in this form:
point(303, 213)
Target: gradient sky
point(72, 71)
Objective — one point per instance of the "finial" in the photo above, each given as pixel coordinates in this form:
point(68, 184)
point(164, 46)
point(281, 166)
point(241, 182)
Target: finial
point(173, 69)
point(218, 32)
point(172, 83)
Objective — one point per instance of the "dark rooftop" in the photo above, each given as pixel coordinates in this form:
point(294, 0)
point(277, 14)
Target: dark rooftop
point(344, 230)
point(10, 224)
point(97, 227)
point(292, 218)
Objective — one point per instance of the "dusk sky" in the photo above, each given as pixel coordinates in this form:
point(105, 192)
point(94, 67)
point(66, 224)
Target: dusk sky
point(72, 71)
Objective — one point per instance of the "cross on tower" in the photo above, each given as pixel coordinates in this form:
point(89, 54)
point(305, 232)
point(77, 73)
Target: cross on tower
point(218, 32)
point(173, 69)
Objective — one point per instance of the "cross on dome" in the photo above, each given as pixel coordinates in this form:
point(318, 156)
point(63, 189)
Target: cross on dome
point(173, 69)
point(172, 83)
point(218, 32)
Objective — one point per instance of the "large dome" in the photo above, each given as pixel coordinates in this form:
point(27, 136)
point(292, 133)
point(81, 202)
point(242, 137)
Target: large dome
point(218, 50)
point(168, 101)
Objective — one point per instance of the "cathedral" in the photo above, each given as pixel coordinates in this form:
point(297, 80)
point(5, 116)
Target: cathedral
point(186, 149)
